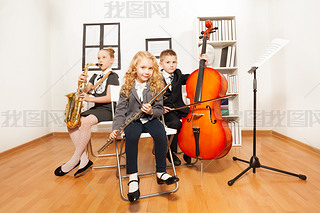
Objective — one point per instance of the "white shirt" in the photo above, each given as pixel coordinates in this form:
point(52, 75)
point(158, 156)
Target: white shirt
point(140, 87)
point(102, 86)
point(166, 77)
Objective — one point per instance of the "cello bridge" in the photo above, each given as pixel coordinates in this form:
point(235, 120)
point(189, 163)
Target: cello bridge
point(197, 116)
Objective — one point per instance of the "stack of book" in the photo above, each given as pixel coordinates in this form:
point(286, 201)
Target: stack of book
point(232, 83)
point(234, 127)
point(226, 30)
point(224, 107)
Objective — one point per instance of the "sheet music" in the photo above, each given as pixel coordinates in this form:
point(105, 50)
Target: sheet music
point(275, 45)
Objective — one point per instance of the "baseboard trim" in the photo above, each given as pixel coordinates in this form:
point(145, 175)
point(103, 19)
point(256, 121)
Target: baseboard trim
point(296, 142)
point(37, 140)
point(281, 136)
point(22, 146)
point(102, 134)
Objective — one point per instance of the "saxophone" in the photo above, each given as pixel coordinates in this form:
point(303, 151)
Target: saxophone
point(75, 105)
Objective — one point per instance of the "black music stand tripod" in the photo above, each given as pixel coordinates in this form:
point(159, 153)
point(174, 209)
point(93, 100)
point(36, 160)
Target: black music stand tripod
point(254, 161)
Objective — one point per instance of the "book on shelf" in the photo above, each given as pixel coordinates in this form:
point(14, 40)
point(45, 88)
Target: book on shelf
point(200, 27)
point(233, 29)
point(234, 127)
point(220, 30)
point(225, 101)
point(230, 30)
point(224, 30)
point(224, 55)
point(215, 34)
point(224, 112)
point(224, 107)
point(233, 84)
point(227, 56)
point(233, 56)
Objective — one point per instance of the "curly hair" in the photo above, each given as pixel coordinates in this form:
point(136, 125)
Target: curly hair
point(156, 80)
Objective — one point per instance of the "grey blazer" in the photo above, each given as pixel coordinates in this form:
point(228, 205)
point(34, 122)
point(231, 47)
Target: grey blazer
point(126, 108)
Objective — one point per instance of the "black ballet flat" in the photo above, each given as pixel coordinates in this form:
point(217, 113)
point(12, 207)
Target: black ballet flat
point(134, 196)
point(59, 172)
point(169, 181)
point(83, 170)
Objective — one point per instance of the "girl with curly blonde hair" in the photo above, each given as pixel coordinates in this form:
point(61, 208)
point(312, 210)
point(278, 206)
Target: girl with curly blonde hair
point(143, 81)
point(156, 82)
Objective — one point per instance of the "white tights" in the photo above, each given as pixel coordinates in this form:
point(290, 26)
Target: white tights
point(80, 138)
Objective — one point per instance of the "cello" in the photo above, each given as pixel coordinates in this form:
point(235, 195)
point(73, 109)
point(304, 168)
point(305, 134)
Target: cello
point(204, 134)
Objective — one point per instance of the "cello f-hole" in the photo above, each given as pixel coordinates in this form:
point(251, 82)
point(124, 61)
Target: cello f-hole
point(214, 121)
point(191, 118)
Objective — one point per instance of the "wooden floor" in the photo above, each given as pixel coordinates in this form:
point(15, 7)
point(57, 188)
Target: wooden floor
point(27, 182)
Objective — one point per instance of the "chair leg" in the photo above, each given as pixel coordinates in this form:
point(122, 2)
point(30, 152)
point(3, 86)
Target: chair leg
point(89, 146)
point(120, 152)
point(173, 167)
point(118, 155)
point(90, 150)
point(119, 172)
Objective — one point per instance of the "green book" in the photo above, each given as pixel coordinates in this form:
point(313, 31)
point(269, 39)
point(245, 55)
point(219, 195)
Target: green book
point(224, 112)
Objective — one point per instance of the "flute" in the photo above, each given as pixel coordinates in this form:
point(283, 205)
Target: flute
point(133, 118)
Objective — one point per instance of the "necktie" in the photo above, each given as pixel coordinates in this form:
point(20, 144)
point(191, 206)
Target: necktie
point(171, 78)
point(100, 76)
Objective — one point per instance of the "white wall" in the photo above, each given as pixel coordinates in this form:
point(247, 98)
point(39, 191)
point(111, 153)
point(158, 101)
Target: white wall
point(295, 71)
point(25, 70)
point(66, 31)
point(51, 50)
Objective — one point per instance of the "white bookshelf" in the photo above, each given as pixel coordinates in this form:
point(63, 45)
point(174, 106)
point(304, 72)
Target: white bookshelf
point(226, 38)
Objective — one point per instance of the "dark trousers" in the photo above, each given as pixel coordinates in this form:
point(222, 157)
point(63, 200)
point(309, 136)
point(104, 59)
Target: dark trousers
point(172, 120)
point(156, 129)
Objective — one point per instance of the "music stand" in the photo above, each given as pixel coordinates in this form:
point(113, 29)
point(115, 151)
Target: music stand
point(254, 162)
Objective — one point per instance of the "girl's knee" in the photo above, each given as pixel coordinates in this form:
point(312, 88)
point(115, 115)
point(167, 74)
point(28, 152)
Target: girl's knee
point(88, 121)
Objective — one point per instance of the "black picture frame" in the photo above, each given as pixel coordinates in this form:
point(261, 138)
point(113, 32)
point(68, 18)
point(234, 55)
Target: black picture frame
point(156, 45)
point(101, 44)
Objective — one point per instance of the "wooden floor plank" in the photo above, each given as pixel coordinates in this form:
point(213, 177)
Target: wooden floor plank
point(27, 182)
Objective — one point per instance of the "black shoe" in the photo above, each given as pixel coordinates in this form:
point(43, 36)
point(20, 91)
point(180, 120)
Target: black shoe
point(83, 170)
point(176, 160)
point(187, 159)
point(59, 172)
point(134, 196)
point(169, 181)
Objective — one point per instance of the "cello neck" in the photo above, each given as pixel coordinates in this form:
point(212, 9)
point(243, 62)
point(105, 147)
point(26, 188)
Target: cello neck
point(198, 93)
point(205, 37)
